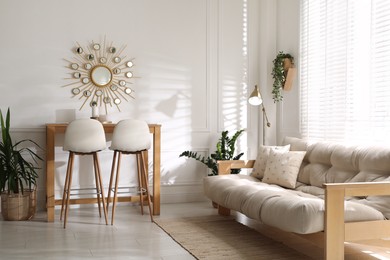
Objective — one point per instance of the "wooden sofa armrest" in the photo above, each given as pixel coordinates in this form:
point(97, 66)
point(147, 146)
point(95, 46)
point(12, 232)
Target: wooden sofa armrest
point(224, 167)
point(336, 230)
point(360, 188)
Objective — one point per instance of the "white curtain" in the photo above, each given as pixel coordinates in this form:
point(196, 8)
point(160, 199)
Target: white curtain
point(345, 70)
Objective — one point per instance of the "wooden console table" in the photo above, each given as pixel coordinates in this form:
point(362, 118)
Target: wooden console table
point(51, 201)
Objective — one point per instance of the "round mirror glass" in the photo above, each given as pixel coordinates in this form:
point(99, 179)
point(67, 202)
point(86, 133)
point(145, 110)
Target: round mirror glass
point(87, 93)
point(101, 76)
point(75, 91)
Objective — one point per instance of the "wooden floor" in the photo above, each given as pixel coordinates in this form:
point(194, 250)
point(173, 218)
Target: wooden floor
point(312, 244)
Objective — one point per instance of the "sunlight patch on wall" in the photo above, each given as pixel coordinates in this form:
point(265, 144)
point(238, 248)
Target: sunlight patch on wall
point(235, 86)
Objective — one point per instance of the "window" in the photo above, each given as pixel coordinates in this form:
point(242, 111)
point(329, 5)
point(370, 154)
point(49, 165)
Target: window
point(345, 70)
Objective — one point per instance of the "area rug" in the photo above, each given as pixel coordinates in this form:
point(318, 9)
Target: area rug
point(218, 237)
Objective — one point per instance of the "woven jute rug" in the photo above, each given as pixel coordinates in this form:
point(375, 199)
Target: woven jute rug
point(218, 237)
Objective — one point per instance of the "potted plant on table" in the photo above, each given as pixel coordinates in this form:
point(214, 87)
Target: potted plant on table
point(225, 149)
point(17, 175)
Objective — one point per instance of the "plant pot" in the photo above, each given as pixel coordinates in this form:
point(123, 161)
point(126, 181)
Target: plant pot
point(18, 206)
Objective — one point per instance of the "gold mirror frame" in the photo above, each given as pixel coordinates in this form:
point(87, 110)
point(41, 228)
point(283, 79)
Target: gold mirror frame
point(101, 75)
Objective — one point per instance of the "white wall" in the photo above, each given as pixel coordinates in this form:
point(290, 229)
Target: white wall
point(288, 41)
point(278, 31)
point(267, 50)
point(193, 64)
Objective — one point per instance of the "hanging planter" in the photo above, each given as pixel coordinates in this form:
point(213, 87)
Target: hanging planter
point(283, 73)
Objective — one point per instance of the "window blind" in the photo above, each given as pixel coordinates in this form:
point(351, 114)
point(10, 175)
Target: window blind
point(345, 70)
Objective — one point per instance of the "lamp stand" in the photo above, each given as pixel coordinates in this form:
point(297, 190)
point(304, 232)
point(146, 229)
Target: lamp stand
point(255, 99)
point(265, 121)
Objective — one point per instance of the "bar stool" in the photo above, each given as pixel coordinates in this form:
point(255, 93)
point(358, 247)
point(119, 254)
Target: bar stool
point(130, 137)
point(83, 137)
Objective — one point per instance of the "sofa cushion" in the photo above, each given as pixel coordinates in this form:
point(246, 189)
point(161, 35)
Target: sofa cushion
point(289, 210)
point(302, 213)
point(312, 190)
point(296, 144)
point(262, 157)
point(380, 203)
point(283, 167)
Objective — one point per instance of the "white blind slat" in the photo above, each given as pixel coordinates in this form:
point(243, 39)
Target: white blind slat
point(345, 70)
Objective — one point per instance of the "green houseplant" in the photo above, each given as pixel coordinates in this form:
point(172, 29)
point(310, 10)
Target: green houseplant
point(279, 75)
point(17, 175)
point(225, 149)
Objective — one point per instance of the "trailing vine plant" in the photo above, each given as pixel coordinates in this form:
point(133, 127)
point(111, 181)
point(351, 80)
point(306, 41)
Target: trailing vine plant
point(279, 75)
point(225, 151)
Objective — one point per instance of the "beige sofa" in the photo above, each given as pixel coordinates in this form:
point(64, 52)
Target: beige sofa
point(334, 190)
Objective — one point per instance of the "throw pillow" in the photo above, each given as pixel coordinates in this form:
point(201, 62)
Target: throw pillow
point(283, 168)
point(262, 157)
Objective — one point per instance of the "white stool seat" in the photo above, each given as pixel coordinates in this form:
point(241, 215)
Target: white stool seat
point(131, 136)
point(85, 136)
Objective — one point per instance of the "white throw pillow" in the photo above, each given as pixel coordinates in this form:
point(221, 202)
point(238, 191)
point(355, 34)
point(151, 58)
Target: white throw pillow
point(262, 157)
point(283, 168)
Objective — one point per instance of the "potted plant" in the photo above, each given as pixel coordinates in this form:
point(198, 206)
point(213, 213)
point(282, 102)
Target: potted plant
point(279, 73)
point(225, 151)
point(17, 175)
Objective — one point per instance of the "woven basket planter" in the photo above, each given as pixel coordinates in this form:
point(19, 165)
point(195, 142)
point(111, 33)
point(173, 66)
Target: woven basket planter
point(19, 206)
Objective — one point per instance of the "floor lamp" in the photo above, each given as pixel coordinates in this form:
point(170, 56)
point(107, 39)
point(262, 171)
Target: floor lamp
point(255, 99)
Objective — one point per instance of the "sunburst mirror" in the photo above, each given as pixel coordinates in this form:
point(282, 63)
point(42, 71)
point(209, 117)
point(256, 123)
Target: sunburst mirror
point(101, 75)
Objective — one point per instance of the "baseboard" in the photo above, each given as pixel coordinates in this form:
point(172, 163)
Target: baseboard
point(182, 192)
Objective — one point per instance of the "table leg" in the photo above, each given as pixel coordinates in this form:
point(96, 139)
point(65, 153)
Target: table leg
point(50, 139)
point(156, 170)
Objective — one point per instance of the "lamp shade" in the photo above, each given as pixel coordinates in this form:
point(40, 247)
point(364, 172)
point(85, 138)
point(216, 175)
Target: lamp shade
point(255, 98)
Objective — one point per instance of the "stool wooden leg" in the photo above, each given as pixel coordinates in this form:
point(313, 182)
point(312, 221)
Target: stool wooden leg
point(96, 159)
point(116, 187)
point(111, 179)
point(98, 190)
point(140, 183)
point(71, 158)
point(146, 186)
point(65, 187)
